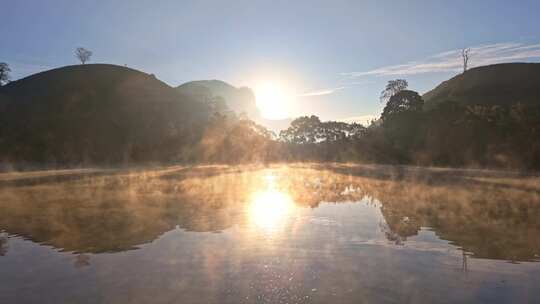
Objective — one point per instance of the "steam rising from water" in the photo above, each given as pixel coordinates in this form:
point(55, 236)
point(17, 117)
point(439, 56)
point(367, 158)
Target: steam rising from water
point(290, 233)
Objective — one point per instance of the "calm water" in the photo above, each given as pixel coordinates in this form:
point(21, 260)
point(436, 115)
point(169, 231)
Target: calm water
point(279, 234)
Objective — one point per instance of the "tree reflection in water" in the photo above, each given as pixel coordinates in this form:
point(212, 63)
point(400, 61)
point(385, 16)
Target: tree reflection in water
point(3, 244)
point(488, 214)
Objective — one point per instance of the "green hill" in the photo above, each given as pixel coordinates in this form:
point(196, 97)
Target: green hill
point(498, 84)
point(94, 113)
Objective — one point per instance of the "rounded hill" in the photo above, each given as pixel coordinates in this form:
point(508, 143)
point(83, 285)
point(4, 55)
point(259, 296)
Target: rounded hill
point(239, 100)
point(94, 113)
point(498, 84)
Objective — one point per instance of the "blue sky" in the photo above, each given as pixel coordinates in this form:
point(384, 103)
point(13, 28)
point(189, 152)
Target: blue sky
point(333, 57)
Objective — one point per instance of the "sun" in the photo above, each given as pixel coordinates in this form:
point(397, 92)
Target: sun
point(273, 100)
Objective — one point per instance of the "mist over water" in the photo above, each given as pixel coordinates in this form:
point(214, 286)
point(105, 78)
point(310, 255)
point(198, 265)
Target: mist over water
point(297, 233)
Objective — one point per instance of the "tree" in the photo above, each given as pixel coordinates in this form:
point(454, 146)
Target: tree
point(392, 88)
point(404, 101)
point(4, 73)
point(83, 54)
point(332, 131)
point(303, 130)
point(465, 57)
point(402, 119)
point(227, 139)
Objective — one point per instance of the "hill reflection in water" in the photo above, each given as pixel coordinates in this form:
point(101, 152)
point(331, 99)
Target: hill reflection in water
point(488, 214)
point(269, 234)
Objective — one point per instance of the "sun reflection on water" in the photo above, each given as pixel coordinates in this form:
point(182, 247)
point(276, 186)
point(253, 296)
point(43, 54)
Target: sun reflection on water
point(269, 208)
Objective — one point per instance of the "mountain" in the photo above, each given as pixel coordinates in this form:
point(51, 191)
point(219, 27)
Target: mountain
point(239, 100)
point(94, 113)
point(498, 84)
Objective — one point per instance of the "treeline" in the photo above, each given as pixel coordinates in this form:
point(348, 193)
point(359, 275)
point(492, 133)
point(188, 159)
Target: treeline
point(449, 134)
point(107, 115)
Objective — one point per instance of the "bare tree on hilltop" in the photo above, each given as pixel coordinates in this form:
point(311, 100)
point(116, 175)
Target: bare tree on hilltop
point(465, 57)
point(4, 73)
point(83, 54)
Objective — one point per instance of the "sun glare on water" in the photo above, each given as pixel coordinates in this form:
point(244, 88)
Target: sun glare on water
point(270, 208)
point(273, 100)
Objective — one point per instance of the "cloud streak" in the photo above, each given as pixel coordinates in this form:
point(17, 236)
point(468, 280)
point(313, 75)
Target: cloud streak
point(451, 61)
point(321, 92)
point(333, 90)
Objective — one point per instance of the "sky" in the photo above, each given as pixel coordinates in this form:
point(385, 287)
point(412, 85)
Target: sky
point(327, 58)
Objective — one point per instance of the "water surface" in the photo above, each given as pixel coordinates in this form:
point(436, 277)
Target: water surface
point(274, 234)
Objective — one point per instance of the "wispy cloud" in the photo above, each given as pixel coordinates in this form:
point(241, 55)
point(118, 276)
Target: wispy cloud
point(450, 61)
point(344, 85)
point(362, 82)
point(321, 92)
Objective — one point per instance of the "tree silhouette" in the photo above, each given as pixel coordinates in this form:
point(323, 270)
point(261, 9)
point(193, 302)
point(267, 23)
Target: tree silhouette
point(4, 73)
point(3, 245)
point(303, 130)
point(83, 54)
point(404, 101)
point(402, 119)
point(392, 88)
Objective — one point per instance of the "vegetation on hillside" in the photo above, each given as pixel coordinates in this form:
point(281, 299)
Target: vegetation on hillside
point(448, 135)
point(104, 114)
point(88, 114)
point(499, 84)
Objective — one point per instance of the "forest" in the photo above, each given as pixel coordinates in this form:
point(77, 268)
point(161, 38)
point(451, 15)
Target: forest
point(450, 134)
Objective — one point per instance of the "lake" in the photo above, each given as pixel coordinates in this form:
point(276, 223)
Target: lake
point(297, 233)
